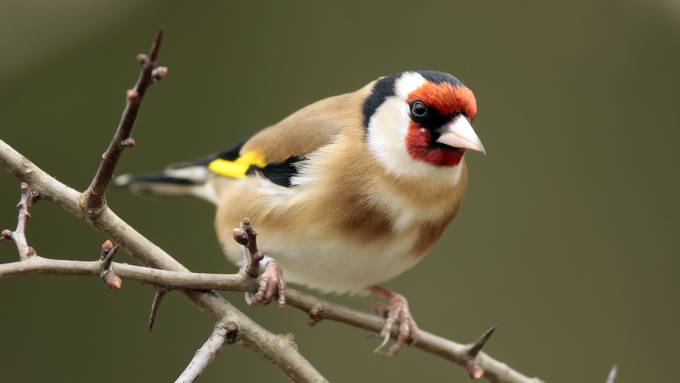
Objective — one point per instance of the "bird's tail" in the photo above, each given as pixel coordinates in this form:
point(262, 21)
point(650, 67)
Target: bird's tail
point(179, 180)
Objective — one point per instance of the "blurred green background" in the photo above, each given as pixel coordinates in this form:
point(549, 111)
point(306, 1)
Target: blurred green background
point(568, 238)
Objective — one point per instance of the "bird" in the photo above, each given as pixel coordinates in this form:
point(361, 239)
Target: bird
point(345, 193)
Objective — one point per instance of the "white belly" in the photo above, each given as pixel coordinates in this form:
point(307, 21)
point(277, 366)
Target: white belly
point(331, 265)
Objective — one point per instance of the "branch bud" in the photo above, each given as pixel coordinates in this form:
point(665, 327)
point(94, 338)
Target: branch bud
point(132, 95)
point(7, 234)
point(159, 73)
point(142, 59)
point(112, 280)
point(128, 143)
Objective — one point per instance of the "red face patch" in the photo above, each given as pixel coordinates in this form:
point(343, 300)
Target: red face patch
point(447, 100)
point(419, 145)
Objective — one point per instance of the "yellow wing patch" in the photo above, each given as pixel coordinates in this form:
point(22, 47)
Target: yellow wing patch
point(239, 167)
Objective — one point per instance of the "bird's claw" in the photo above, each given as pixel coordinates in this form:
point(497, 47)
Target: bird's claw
point(272, 285)
point(396, 312)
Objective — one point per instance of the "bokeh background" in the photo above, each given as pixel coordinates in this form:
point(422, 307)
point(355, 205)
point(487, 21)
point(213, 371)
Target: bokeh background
point(568, 238)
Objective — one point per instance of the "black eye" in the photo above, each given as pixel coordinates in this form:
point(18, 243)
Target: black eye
point(418, 109)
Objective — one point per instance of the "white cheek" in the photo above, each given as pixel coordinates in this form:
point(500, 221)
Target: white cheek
point(387, 132)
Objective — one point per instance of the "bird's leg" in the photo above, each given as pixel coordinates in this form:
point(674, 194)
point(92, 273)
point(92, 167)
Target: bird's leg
point(396, 311)
point(271, 284)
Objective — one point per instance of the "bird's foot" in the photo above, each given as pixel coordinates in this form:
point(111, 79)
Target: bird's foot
point(396, 312)
point(272, 285)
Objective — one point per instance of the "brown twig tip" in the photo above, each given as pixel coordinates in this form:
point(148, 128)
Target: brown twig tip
point(6, 234)
point(611, 378)
point(156, 46)
point(128, 143)
point(94, 198)
point(232, 333)
point(480, 342)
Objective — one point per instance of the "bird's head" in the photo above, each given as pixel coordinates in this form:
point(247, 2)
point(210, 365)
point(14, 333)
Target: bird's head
point(418, 122)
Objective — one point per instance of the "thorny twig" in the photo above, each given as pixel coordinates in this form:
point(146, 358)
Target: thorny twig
point(91, 207)
point(95, 195)
point(475, 370)
point(318, 309)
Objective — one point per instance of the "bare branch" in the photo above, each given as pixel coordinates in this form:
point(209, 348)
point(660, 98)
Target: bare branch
point(204, 355)
point(27, 199)
point(94, 196)
point(254, 336)
point(611, 378)
point(91, 207)
point(318, 309)
point(164, 271)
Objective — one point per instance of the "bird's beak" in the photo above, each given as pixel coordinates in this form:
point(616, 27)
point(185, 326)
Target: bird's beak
point(459, 134)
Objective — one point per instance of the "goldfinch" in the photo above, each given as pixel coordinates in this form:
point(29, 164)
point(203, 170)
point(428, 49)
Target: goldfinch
point(345, 193)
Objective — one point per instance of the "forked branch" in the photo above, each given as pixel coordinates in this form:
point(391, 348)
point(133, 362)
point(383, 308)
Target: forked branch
point(164, 272)
point(95, 195)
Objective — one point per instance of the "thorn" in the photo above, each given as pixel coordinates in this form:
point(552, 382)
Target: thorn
point(156, 46)
point(7, 234)
point(479, 343)
point(159, 73)
point(132, 95)
point(128, 143)
point(232, 333)
point(611, 378)
point(155, 305)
